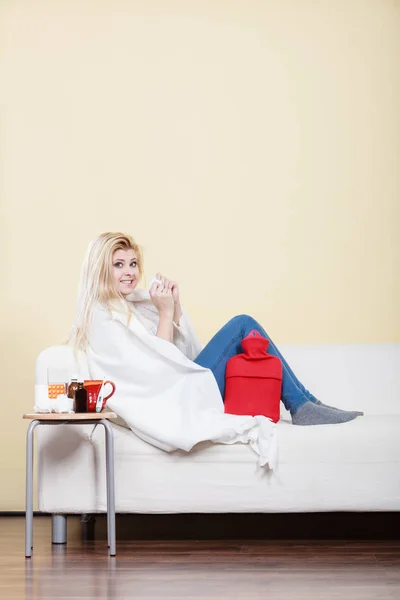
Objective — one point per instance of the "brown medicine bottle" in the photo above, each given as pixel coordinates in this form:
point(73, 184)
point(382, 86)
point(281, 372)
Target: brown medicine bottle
point(80, 398)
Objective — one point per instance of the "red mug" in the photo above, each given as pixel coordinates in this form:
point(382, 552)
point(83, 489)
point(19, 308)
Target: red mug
point(93, 387)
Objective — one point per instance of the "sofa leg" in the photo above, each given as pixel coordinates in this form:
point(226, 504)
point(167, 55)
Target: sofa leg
point(59, 529)
point(88, 526)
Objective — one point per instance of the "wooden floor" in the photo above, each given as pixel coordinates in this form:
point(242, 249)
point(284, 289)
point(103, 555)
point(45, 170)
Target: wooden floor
point(189, 569)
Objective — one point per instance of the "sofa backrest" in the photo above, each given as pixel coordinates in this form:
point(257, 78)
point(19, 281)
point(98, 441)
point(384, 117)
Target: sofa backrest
point(59, 364)
point(350, 376)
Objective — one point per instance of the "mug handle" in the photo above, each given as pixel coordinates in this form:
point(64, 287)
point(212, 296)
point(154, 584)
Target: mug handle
point(112, 391)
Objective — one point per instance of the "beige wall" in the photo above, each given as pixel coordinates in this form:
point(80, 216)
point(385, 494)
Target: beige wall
point(251, 147)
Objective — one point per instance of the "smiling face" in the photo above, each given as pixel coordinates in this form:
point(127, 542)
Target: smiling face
point(125, 271)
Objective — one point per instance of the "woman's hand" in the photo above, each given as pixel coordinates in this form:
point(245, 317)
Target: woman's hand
point(171, 285)
point(162, 299)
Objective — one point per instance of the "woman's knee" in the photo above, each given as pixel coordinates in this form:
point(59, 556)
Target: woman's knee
point(244, 319)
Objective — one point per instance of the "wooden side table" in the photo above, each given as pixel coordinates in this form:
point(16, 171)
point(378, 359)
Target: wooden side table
point(71, 419)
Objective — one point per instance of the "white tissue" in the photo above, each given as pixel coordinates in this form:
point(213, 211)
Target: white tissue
point(43, 404)
point(62, 404)
point(153, 280)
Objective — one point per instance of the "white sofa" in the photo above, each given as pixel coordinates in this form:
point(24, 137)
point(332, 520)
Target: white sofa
point(353, 466)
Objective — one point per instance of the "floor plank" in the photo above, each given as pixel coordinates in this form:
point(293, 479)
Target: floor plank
point(194, 570)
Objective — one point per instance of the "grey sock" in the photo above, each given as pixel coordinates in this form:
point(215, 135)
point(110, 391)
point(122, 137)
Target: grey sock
point(358, 413)
point(316, 414)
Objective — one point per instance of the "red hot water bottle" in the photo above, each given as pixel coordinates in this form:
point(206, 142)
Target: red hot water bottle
point(253, 380)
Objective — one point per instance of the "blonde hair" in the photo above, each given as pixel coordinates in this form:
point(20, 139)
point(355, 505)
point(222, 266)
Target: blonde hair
point(97, 284)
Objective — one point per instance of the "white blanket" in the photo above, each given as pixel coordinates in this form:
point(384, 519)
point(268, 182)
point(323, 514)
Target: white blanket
point(164, 397)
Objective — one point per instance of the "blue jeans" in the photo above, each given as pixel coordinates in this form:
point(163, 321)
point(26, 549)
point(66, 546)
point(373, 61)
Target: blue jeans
point(227, 343)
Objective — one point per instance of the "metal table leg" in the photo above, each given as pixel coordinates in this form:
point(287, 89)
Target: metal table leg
point(110, 486)
point(29, 490)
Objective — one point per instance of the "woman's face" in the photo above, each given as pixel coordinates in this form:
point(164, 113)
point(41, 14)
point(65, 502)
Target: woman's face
point(125, 271)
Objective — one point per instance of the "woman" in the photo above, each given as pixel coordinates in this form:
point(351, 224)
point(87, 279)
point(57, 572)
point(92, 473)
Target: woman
point(146, 343)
